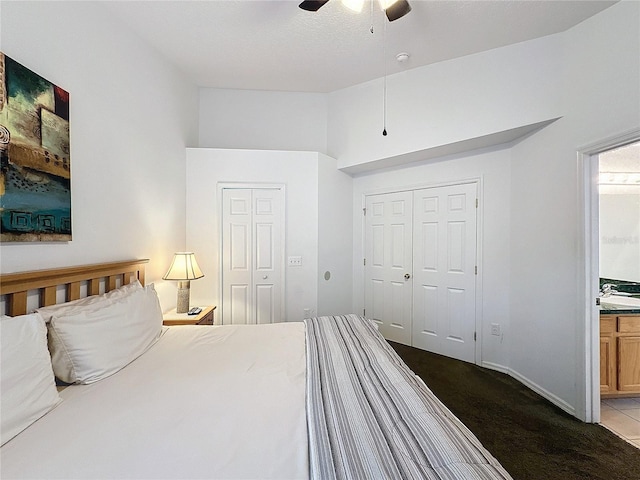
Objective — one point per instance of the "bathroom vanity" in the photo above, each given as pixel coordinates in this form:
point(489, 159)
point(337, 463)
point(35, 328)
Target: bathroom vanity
point(619, 353)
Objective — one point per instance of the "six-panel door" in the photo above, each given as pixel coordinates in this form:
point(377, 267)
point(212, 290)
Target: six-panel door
point(388, 252)
point(420, 270)
point(252, 256)
point(444, 279)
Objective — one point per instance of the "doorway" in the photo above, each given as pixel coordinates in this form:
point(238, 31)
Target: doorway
point(588, 373)
point(420, 267)
point(252, 255)
point(619, 281)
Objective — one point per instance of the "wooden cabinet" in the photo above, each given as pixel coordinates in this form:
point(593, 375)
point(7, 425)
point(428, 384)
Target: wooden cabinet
point(619, 355)
point(608, 363)
point(203, 318)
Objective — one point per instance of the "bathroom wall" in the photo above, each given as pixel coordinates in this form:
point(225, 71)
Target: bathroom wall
point(620, 236)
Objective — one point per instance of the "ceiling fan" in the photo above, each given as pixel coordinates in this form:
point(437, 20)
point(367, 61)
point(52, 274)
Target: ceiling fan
point(394, 9)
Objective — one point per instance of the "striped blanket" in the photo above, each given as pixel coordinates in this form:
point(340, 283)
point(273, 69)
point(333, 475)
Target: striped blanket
point(370, 417)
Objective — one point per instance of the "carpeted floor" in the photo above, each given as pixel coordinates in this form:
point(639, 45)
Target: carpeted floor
point(530, 437)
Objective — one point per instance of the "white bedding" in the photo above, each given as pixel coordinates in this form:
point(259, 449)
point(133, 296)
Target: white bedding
point(247, 384)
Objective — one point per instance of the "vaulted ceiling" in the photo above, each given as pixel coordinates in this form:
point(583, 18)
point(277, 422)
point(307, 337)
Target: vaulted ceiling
point(274, 45)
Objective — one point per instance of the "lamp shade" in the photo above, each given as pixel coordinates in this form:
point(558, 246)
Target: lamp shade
point(183, 267)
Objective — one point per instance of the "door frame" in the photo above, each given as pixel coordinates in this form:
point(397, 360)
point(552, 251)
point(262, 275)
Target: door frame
point(479, 230)
point(220, 187)
point(588, 272)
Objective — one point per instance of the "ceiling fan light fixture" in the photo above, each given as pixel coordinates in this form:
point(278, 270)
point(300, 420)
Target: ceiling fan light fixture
point(355, 5)
point(312, 5)
point(384, 4)
point(398, 10)
point(394, 9)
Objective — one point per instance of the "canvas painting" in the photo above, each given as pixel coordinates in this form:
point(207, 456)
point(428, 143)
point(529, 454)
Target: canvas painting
point(35, 176)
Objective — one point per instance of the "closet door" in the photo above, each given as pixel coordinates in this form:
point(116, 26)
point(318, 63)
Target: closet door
point(444, 293)
point(267, 255)
point(388, 264)
point(252, 256)
point(420, 268)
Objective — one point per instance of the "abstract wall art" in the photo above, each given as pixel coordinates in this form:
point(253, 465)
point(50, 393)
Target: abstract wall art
point(35, 176)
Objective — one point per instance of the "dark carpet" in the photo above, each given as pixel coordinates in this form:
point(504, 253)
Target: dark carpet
point(530, 437)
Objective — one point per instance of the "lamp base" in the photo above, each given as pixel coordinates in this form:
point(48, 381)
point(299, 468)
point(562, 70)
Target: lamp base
point(183, 296)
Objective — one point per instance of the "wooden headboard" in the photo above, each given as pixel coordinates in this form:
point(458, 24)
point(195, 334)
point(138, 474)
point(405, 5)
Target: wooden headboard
point(16, 286)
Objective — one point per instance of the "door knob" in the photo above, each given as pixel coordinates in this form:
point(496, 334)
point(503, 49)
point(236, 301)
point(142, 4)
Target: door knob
point(407, 276)
point(265, 277)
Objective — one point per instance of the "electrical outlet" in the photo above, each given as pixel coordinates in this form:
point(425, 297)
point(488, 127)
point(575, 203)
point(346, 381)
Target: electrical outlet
point(295, 261)
point(495, 329)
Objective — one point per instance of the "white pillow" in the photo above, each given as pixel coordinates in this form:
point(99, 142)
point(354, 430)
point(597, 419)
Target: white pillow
point(94, 300)
point(27, 386)
point(91, 344)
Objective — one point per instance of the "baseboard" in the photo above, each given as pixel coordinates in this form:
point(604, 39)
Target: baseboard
point(497, 367)
point(557, 401)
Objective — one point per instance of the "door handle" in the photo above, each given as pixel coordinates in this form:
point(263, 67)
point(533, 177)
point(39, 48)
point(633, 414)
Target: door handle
point(265, 277)
point(407, 276)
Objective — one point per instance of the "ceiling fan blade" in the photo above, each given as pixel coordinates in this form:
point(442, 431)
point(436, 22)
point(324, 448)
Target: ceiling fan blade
point(312, 5)
point(397, 10)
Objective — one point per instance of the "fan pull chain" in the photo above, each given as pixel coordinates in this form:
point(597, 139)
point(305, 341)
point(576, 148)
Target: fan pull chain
point(371, 29)
point(384, 95)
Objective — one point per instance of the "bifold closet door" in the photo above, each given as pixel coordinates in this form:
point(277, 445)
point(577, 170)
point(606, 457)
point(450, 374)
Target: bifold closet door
point(252, 255)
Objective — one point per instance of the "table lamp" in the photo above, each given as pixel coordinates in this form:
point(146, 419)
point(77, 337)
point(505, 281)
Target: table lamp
point(184, 268)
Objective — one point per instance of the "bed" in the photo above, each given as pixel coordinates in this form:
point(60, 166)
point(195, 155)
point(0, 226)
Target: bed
point(326, 398)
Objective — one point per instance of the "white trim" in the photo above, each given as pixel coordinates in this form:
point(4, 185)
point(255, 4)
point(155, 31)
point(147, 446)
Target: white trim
point(557, 401)
point(497, 367)
point(220, 187)
point(588, 332)
point(252, 185)
point(546, 394)
point(479, 229)
point(480, 275)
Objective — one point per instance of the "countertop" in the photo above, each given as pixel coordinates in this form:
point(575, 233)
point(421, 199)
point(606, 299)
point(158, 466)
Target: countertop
point(620, 311)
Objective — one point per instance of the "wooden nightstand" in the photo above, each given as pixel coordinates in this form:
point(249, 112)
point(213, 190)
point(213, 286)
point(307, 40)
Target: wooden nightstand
point(205, 317)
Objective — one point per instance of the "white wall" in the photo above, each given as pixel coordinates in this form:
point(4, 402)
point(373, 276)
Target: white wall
point(601, 98)
point(250, 119)
point(298, 171)
point(492, 168)
point(445, 103)
point(620, 235)
point(335, 238)
point(131, 117)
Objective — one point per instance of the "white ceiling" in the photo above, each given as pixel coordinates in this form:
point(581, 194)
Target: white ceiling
point(274, 45)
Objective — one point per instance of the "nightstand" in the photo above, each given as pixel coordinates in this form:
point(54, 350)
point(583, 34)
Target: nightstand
point(205, 317)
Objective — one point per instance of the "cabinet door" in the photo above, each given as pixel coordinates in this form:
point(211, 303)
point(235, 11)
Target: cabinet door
point(629, 364)
point(607, 364)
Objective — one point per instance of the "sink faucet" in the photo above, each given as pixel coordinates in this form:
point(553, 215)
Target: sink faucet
point(607, 289)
